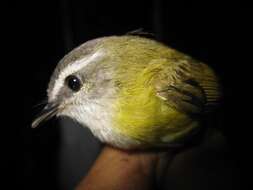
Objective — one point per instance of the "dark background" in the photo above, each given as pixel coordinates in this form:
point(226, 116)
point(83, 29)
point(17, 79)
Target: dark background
point(40, 33)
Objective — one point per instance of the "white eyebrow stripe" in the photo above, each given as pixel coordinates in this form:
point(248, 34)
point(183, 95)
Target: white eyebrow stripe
point(72, 68)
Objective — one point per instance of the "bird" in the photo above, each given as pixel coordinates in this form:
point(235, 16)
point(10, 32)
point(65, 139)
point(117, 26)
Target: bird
point(132, 92)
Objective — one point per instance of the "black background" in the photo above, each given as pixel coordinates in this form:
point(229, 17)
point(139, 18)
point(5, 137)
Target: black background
point(39, 33)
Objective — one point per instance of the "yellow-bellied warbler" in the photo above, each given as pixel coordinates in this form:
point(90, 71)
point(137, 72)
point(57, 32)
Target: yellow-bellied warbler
point(132, 92)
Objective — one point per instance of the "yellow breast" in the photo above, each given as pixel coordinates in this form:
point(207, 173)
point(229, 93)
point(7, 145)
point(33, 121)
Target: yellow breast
point(140, 114)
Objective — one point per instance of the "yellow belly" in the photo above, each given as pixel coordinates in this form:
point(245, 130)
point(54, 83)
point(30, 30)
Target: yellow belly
point(141, 115)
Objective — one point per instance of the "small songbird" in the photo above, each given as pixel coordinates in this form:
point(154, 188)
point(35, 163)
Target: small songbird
point(132, 92)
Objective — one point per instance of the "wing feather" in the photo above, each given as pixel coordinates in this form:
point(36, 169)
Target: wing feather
point(188, 85)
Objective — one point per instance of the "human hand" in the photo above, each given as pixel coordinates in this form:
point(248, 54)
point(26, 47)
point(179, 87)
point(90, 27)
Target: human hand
point(117, 169)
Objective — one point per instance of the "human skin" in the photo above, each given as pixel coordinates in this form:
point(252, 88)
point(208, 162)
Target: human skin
point(117, 169)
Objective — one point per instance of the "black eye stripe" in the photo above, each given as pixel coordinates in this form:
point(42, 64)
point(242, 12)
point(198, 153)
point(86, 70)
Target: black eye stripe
point(73, 83)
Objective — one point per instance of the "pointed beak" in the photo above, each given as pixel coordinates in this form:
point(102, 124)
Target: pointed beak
point(49, 111)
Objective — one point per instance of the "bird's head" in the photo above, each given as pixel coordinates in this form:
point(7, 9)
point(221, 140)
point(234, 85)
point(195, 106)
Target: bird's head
point(80, 82)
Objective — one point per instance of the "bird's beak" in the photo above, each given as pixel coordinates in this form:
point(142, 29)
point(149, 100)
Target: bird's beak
point(49, 111)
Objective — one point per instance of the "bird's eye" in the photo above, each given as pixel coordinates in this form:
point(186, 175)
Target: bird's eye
point(73, 83)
